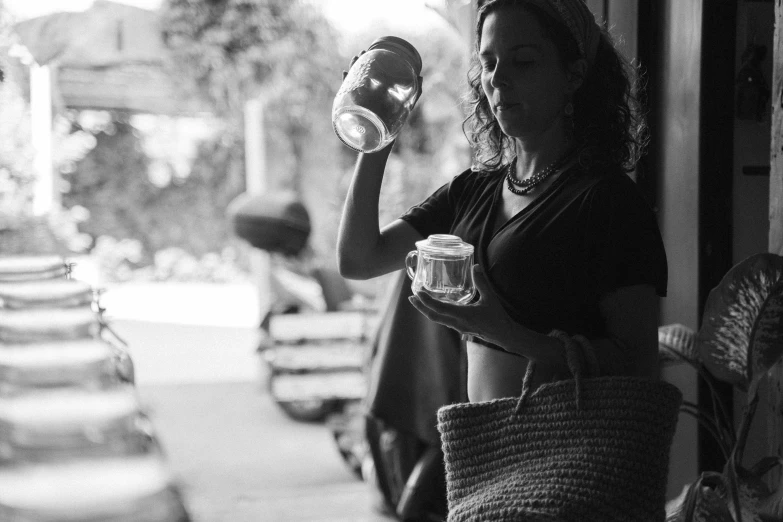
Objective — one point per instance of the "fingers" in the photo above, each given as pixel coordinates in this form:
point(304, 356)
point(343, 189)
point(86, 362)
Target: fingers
point(445, 314)
point(428, 301)
point(425, 310)
point(353, 61)
point(438, 310)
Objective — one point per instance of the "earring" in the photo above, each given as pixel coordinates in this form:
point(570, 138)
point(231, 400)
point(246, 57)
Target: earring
point(568, 110)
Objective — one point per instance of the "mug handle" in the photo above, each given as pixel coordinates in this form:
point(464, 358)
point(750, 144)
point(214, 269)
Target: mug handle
point(410, 263)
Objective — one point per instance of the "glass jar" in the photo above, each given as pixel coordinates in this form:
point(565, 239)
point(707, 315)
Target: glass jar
point(442, 267)
point(377, 95)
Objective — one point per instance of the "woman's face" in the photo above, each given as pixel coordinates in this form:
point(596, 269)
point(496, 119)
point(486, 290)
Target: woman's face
point(523, 78)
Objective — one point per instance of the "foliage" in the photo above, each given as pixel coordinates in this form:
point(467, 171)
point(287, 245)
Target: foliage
point(282, 51)
point(230, 51)
point(740, 340)
point(118, 261)
point(743, 321)
point(21, 233)
point(112, 185)
point(16, 151)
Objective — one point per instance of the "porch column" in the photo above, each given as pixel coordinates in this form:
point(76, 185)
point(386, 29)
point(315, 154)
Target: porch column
point(45, 193)
point(256, 183)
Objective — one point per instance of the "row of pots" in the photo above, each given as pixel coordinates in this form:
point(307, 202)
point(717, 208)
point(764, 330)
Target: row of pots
point(76, 443)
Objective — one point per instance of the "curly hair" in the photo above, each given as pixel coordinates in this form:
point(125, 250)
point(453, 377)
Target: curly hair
point(609, 127)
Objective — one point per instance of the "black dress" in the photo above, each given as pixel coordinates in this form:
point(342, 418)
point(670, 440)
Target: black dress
point(588, 233)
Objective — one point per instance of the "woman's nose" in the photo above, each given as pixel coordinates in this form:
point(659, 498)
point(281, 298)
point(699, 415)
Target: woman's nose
point(499, 77)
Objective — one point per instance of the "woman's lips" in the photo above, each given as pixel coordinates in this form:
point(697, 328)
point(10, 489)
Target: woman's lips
point(501, 107)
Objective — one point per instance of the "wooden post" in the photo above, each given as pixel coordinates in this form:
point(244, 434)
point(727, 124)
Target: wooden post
point(775, 412)
point(255, 147)
point(256, 183)
point(45, 193)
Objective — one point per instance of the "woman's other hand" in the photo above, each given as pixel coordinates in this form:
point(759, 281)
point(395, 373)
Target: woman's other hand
point(485, 318)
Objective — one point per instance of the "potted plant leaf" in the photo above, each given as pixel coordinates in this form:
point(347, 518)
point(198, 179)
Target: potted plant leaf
point(739, 341)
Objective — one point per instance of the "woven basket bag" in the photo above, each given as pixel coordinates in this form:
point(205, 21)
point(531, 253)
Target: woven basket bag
point(588, 449)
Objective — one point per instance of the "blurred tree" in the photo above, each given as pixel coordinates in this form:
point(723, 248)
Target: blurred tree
point(16, 150)
point(113, 184)
point(230, 51)
point(20, 232)
point(224, 52)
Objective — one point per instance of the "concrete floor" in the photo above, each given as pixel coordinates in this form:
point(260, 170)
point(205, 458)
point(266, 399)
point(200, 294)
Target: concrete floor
point(238, 457)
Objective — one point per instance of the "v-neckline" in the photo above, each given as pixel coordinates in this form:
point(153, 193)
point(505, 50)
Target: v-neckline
point(490, 232)
point(497, 199)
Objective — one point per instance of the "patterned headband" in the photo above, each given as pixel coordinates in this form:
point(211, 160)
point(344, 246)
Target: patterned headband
point(579, 20)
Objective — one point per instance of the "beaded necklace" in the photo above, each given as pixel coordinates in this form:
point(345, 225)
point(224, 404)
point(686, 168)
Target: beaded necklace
point(522, 187)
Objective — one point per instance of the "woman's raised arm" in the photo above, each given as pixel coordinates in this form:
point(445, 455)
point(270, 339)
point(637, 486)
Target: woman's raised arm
point(363, 249)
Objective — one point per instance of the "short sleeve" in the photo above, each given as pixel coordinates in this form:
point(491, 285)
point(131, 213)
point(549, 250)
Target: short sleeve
point(624, 242)
point(436, 214)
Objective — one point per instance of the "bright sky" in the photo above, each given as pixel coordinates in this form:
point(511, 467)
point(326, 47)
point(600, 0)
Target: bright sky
point(346, 14)
point(23, 9)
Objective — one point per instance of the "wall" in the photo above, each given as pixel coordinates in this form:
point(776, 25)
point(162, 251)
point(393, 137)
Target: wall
point(711, 215)
point(665, 38)
point(751, 140)
point(670, 46)
point(755, 25)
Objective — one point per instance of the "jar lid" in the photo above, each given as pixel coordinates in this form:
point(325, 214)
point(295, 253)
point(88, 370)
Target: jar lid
point(444, 244)
point(401, 47)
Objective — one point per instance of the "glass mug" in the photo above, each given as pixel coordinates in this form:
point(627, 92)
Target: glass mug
point(442, 266)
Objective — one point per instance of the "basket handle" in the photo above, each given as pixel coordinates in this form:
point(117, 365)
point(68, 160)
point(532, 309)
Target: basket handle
point(581, 359)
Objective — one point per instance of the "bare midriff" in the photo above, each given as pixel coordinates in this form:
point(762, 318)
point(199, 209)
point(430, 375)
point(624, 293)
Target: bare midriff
point(493, 374)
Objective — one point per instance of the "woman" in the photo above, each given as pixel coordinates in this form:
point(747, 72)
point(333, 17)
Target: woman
point(564, 241)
